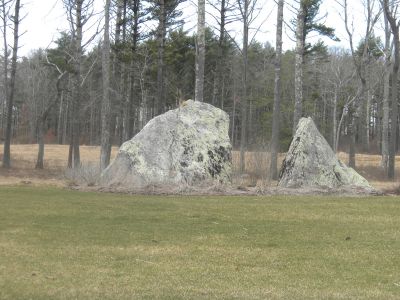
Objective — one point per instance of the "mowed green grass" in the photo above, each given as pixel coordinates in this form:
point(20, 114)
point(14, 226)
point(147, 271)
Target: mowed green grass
point(59, 244)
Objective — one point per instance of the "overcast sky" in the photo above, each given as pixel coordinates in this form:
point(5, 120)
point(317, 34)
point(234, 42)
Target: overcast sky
point(46, 18)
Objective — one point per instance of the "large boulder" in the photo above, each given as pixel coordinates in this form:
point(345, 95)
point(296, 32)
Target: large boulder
point(187, 145)
point(310, 162)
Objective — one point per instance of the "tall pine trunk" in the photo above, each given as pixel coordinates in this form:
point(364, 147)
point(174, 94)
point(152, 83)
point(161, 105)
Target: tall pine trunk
point(243, 102)
point(298, 73)
point(394, 26)
point(394, 107)
point(161, 32)
point(133, 102)
point(105, 151)
point(386, 96)
point(5, 71)
point(76, 84)
point(220, 56)
point(201, 52)
point(11, 89)
point(277, 94)
point(367, 130)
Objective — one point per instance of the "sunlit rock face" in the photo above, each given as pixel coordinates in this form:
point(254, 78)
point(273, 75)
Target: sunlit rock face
point(310, 162)
point(187, 145)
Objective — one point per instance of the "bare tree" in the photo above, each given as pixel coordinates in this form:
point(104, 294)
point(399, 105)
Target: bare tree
point(360, 66)
point(79, 12)
point(46, 104)
point(10, 89)
point(394, 25)
point(277, 93)
point(248, 13)
point(342, 75)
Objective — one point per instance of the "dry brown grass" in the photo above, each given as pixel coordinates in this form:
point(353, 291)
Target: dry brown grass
point(257, 166)
point(368, 165)
point(56, 156)
point(55, 161)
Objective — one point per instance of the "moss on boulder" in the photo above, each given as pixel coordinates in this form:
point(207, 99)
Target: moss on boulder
point(310, 162)
point(186, 145)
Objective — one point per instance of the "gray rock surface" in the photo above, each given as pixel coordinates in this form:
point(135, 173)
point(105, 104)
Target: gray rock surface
point(310, 162)
point(187, 145)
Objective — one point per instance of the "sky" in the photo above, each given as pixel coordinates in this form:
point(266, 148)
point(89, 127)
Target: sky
point(44, 19)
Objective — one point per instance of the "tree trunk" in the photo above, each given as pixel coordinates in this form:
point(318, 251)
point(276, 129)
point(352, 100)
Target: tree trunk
point(124, 105)
point(70, 151)
point(40, 138)
point(362, 104)
point(298, 76)
point(201, 51)
point(41, 121)
point(277, 94)
point(129, 106)
point(76, 92)
point(60, 122)
point(360, 69)
point(243, 102)
point(133, 101)
point(352, 150)
point(334, 120)
point(368, 111)
point(222, 97)
point(339, 128)
point(65, 122)
point(386, 96)
point(5, 67)
point(10, 98)
point(220, 56)
point(394, 107)
point(105, 152)
point(161, 32)
point(394, 26)
point(233, 114)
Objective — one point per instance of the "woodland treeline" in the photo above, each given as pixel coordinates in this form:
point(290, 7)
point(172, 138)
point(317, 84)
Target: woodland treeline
point(79, 92)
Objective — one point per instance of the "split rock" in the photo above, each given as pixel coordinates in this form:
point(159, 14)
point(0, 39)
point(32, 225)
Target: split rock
point(310, 162)
point(187, 145)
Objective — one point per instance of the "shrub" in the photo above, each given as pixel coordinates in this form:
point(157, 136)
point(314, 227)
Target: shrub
point(88, 174)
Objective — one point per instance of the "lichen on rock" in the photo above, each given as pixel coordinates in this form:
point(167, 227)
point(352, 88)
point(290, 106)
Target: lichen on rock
point(310, 162)
point(187, 145)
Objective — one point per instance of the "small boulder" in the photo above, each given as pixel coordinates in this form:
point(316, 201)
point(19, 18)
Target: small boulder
point(187, 145)
point(310, 162)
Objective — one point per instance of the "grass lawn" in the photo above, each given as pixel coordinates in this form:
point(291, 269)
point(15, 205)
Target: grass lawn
point(58, 244)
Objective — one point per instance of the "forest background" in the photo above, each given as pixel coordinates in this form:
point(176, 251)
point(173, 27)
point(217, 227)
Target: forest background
point(107, 68)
